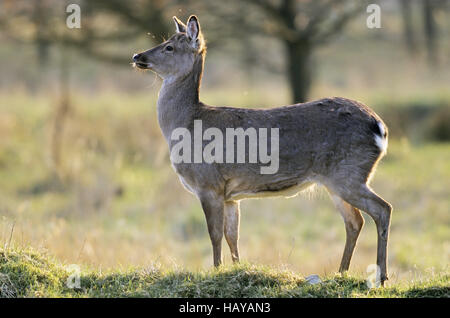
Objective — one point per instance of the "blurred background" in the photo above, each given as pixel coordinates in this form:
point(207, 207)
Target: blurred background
point(85, 172)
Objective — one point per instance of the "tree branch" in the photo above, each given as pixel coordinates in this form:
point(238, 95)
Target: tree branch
point(336, 25)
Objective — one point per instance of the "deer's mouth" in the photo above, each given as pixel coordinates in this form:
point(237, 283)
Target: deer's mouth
point(142, 65)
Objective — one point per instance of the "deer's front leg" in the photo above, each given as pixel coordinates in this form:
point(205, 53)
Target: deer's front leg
point(231, 217)
point(213, 206)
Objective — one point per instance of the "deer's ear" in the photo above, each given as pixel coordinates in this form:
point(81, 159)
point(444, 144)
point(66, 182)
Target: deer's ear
point(193, 28)
point(180, 26)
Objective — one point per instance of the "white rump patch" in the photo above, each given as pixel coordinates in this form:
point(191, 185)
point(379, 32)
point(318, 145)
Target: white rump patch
point(381, 141)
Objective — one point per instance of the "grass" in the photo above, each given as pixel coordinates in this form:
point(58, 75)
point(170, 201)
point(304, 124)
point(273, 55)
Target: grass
point(28, 273)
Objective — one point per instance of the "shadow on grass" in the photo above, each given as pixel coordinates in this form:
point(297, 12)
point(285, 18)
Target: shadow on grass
point(428, 292)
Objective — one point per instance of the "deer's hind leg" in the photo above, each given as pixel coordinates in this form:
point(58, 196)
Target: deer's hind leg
point(231, 228)
point(363, 198)
point(353, 224)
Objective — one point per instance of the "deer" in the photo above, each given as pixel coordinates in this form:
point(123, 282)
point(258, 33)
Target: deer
point(332, 142)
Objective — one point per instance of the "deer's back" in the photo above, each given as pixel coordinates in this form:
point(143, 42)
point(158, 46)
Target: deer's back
point(330, 124)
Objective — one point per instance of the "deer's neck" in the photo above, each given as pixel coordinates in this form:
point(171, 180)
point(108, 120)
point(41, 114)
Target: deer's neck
point(178, 99)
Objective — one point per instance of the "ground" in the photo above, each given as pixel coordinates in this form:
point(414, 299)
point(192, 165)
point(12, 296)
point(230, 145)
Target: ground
point(27, 273)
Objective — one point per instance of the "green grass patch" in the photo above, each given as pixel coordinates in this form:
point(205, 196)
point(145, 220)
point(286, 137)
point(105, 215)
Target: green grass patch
point(28, 273)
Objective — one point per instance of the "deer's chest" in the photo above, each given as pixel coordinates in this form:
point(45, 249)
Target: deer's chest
point(197, 178)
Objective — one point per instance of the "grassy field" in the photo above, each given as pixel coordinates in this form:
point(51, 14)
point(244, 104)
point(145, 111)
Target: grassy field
point(115, 202)
point(26, 273)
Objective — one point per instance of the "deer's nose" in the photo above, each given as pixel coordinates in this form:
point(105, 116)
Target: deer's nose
point(136, 57)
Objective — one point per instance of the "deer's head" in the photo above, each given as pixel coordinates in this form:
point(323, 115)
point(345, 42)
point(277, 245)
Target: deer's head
point(177, 56)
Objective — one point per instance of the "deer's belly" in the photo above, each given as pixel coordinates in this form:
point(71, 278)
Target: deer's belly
point(287, 192)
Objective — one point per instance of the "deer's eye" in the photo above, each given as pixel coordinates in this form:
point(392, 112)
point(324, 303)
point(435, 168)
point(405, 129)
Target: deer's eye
point(169, 48)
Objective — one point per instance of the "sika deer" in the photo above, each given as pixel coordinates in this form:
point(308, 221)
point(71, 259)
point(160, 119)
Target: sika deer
point(334, 142)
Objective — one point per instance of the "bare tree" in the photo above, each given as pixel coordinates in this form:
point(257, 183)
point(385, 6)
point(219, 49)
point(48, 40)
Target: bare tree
point(408, 29)
point(429, 42)
point(130, 19)
point(104, 22)
point(430, 31)
point(301, 27)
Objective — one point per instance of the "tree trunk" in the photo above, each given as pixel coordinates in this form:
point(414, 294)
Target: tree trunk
point(430, 30)
point(40, 18)
point(299, 70)
point(408, 32)
point(61, 112)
